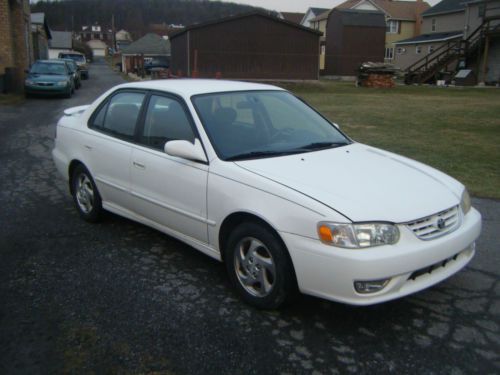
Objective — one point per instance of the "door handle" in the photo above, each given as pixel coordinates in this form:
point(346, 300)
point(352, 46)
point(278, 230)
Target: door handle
point(139, 165)
point(88, 147)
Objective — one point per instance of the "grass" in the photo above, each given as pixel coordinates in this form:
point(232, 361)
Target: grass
point(456, 130)
point(11, 99)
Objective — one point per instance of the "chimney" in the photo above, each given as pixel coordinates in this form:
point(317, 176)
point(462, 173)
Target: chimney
point(420, 7)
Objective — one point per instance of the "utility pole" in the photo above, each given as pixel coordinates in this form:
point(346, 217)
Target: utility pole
point(114, 32)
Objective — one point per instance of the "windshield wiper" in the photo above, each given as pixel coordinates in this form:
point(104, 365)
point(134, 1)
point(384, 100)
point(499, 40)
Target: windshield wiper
point(257, 154)
point(322, 145)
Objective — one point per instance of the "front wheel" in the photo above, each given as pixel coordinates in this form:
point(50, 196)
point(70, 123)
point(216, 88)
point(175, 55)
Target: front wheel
point(85, 195)
point(259, 266)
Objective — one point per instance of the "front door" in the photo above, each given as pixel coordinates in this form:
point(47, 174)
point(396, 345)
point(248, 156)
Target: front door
point(165, 189)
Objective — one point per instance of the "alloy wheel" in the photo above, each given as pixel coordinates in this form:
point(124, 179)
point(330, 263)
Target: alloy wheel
point(254, 266)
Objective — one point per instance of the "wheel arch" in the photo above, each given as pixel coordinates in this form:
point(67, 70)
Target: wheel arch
point(239, 217)
point(72, 165)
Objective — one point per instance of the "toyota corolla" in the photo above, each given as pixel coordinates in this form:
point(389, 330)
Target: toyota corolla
point(253, 176)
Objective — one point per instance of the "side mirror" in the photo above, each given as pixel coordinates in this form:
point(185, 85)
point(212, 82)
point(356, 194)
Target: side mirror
point(26, 71)
point(336, 125)
point(186, 150)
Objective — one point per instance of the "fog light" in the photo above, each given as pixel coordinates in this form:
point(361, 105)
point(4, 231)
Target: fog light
point(371, 286)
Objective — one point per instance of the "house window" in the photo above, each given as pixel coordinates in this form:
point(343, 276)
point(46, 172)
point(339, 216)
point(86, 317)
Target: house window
point(400, 50)
point(418, 50)
point(323, 49)
point(392, 27)
point(389, 53)
point(481, 10)
point(433, 24)
point(431, 48)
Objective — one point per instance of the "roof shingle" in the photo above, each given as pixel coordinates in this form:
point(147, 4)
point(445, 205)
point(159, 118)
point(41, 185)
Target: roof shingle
point(149, 44)
point(398, 10)
point(446, 6)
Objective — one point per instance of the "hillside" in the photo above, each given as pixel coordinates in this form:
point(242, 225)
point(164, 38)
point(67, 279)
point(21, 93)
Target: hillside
point(133, 15)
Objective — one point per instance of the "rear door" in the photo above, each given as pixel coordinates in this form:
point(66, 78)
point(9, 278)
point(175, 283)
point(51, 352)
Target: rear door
point(108, 147)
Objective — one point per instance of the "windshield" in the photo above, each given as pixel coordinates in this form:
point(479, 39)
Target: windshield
point(48, 68)
point(71, 65)
point(252, 124)
point(72, 56)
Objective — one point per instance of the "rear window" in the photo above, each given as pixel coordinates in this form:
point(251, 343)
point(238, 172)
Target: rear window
point(72, 56)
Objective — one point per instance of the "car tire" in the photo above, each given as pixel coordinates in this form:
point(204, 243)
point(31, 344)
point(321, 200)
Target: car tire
point(85, 195)
point(260, 267)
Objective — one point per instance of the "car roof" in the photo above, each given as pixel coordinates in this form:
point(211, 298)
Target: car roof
point(51, 61)
point(188, 86)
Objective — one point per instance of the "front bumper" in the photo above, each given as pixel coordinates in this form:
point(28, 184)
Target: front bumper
point(329, 272)
point(46, 90)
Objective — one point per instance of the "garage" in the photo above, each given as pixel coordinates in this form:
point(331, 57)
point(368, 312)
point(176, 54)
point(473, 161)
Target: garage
point(98, 47)
point(249, 46)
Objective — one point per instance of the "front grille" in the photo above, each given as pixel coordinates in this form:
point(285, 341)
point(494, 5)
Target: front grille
point(436, 225)
point(428, 270)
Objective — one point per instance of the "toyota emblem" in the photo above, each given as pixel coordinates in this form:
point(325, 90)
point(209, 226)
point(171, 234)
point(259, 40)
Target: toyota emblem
point(440, 223)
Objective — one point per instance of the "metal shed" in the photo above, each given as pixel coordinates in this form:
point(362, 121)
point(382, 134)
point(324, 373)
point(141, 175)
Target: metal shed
point(248, 46)
point(353, 37)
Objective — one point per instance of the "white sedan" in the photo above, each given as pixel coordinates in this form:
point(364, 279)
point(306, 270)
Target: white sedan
point(252, 176)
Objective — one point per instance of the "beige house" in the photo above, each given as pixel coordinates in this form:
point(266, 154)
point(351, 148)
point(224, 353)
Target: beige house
point(319, 23)
point(455, 34)
point(310, 14)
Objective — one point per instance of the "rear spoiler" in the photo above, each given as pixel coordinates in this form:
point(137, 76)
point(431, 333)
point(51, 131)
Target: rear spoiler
point(73, 111)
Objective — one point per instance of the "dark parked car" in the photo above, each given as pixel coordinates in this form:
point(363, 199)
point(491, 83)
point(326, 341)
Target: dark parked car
point(49, 77)
point(79, 59)
point(156, 62)
point(77, 74)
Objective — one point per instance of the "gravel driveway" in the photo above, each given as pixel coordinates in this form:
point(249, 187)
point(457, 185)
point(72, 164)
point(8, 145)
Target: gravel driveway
point(119, 297)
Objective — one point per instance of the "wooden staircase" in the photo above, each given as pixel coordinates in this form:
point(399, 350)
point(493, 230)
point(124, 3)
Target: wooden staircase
point(426, 69)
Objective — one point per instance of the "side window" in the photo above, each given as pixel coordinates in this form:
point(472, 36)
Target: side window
point(165, 121)
point(119, 116)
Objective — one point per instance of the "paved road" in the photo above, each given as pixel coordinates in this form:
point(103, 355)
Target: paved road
point(119, 297)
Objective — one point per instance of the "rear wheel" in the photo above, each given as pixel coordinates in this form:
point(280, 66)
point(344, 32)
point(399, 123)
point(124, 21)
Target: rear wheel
point(85, 195)
point(259, 266)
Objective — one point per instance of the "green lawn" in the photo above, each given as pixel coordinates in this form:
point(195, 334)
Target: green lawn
point(10, 99)
point(456, 130)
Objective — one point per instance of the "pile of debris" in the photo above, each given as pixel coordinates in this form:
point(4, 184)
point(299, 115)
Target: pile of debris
point(376, 75)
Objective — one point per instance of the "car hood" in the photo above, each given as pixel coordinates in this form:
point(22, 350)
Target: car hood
point(47, 77)
point(362, 182)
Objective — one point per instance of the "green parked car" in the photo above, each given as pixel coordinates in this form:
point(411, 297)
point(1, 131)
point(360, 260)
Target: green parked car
point(49, 77)
point(77, 74)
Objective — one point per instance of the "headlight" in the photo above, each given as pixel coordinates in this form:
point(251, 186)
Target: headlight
point(28, 82)
point(465, 203)
point(356, 236)
point(62, 83)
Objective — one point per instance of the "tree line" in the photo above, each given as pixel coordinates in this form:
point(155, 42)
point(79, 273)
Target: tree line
point(135, 16)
